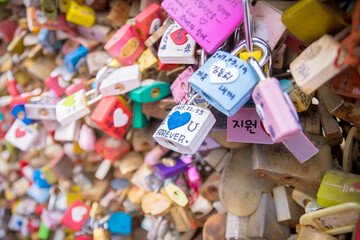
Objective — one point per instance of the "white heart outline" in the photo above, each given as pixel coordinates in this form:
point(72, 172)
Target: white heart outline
point(120, 118)
point(77, 213)
point(214, 76)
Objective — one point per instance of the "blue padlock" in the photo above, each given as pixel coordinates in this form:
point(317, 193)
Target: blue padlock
point(75, 58)
point(18, 111)
point(226, 81)
point(120, 223)
point(41, 195)
point(47, 39)
point(286, 85)
point(40, 180)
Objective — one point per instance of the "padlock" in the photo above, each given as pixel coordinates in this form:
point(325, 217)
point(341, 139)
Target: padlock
point(100, 233)
point(321, 53)
point(57, 85)
point(269, 93)
point(159, 109)
point(16, 46)
point(69, 46)
point(41, 108)
point(155, 204)
point(59, 165)
point(76, 86)
point(47, 39)
point(310, 233)
point(74, 106)
point(118, 14)
point(39, 179)
point(37, 19)
point(139, 177)
point(215, 227)
point(11, 84)
point(149, 20)
point(7, 29)
point(39, 194)
point(333, 220)
point(49, 7)
point(267, 163)
point(180, 87)
point(69, 132)
point(120, 223)
point(191, 123)
point(103, 169)
point(332, 130)
point(155, 154)
point(200, 26)
point(176, 46)
point(236, 226)
point(219, 77)
point(141, 141)
point(64, 26)
point(346, 83)
point(169, 167)
point(263, 223)
point(80, 14)
point(148, 62)
point(121, 81)
point(125, 45)
point(338, 187)
point(131, 162)
point(288, 211)
point(183, 219)
point(98, 32)
point(268, 25)
point(235, 198)
point(96, 60)
point(150, 91)
point(18, 111)
point(111, 148)
point(335, 104)
point(80, 179)
point(310, 120)
point(134, 195)
point(76, 215)
point(301, 100)
point(112, 115)
point(75, 58)
point(317, 18)
point(87, 138)
point(21, 135)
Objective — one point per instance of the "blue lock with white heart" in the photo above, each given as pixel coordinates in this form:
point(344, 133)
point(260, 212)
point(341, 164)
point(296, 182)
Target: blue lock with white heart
point(75, 58)
point(185, 128)
point(120, 223)
point(225, 81)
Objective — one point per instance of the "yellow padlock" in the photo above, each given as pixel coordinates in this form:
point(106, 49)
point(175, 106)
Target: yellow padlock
point(81, 15)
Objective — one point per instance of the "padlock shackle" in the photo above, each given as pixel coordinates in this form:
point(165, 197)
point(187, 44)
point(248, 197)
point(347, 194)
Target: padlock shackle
point(248, 27)
point(265, 49)
point(257, 68)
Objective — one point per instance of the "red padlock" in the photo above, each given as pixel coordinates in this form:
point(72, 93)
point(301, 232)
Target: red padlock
point(149, 20)
point(111, 148)
point(76, 215)
point(113, 116)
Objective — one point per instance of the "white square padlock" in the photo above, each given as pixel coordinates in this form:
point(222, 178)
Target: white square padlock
point(21, 135)
point(185, 128)
point(176, 46)
point(120, 81)
point(75, 106)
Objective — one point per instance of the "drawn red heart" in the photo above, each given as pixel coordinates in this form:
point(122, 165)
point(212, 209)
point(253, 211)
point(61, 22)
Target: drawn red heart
point(19, 133)
point(179, 36)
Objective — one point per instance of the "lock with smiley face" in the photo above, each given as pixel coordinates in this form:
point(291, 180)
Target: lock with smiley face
point(125, 45)
point(150, 91)
point(80, 14)
point(112, 115)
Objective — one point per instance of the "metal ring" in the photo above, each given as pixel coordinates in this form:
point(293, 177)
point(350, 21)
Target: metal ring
point(265, 49)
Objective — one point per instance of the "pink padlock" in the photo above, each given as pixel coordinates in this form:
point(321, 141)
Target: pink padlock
point(125, 45)
point(192, 175)
point(98, 32)
point(7, 30)
point(210, 23)
point(155, 154)
point(53, 83)
point(87, 138)
point(180, 86)
point(64, 26)
point(76, 86)
point(69, 46)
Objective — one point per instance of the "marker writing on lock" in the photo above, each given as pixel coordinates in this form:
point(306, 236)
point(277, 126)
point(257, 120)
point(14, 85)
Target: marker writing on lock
point(168, 134)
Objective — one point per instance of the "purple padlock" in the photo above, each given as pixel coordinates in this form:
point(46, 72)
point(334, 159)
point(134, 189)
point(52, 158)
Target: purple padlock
point(169, 167)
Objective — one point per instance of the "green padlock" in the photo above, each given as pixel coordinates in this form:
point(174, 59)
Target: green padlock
point(44, 232)
point(50, 9)
point(150, 91)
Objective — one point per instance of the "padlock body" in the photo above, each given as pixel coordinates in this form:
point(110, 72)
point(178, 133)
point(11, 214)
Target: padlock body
point(180, 87)
point(185, 128)
point(73, 59)
point(121, 81)
point(112, 114)
point(149, 20)
point(21, 135)
point(53, 83)
point(125, 45)
point(112, 149)
point(225, 81)
point(177, 46)
point(276, 110)
point(80, 14)
point(120, 223)
point(72, 108)
point(169, 167)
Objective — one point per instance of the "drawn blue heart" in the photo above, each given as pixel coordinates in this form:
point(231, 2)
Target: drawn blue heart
point(177, 120)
